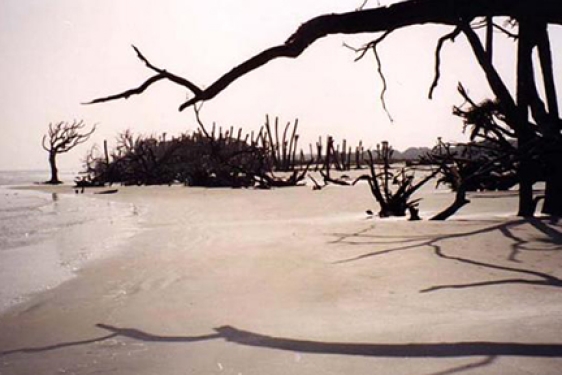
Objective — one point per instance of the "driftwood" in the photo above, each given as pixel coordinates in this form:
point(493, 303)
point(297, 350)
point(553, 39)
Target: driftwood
point(111, 191)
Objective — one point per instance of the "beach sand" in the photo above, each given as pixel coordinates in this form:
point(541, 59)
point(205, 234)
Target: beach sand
point(293, 281)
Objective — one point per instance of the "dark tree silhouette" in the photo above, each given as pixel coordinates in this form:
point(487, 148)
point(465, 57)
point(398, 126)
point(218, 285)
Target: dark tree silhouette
point(397, 202)
point(63, 137)
point(464, 16)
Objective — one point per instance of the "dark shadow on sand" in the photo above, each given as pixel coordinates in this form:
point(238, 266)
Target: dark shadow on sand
point(407, 350)
point(550, 238)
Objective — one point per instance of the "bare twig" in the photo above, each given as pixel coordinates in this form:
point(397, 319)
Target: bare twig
point(506, 32)
point(373, 46)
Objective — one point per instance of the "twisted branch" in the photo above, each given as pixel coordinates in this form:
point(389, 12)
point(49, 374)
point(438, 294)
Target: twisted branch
point(451, 36)
point(161, 74)
point(393, 17)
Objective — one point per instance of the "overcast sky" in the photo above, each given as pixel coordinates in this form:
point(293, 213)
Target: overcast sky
point(57, 54)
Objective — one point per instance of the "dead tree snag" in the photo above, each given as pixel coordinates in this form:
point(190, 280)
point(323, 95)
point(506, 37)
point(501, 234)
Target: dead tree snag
point(61, 138)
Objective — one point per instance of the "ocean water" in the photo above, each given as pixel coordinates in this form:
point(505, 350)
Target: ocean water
point(45, 239)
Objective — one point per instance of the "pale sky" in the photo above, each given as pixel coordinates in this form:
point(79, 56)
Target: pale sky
point(56, 54)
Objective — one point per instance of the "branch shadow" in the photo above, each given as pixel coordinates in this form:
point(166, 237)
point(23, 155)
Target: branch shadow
point(417, 241)
point(551, 237)
point(131, 333)
point(252, 339)
point(482, 363)
point(410, 350)
point(63, 345)
point(545, 279)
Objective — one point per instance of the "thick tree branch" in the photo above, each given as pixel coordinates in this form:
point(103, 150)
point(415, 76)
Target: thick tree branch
point(545, 56)
point(408, 13)
point(496, 83)
point(490, 37)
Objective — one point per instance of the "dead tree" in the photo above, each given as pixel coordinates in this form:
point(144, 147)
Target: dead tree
point(392, 202)
point(463, 16)
point(61, 138)
point(332, 157)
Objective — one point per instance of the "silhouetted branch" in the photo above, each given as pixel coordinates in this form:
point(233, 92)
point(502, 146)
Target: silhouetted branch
point(451, 36)
point(64, 136)
point(373, 46)
point(172, 77)
point(126, 94)
point(496, 83)
point(506, 32)
point(382, 19)
point(162, 74)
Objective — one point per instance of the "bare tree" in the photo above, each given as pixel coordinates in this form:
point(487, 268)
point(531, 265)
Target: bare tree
point(61, 138)
point(397, 202)
point(464, 16)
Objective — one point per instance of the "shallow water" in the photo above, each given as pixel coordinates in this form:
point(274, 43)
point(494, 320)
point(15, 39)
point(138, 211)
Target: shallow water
point(46, 238)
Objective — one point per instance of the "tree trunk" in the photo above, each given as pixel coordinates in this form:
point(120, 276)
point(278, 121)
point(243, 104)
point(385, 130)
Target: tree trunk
point(459, 202)
point(553, 154)
point(553, 193)
point(54, 171)
point(526, 204)
point(525, 80)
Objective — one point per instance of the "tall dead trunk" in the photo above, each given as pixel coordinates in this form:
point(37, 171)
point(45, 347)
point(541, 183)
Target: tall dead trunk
point(524, 137)
point(553, 151)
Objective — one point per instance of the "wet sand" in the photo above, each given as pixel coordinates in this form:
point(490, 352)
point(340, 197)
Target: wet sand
point(292, 281)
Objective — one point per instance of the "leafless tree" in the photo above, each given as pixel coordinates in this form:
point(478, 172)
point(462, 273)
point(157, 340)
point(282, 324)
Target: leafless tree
point(397, 202)
point(61, 138)
point(532, 119)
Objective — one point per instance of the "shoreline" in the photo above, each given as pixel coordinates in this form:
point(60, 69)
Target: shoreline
point(301, 282)
point(60, 272)
point(72, 236)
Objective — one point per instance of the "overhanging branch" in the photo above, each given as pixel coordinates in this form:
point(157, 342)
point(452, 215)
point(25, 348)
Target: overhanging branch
point(408, 13)
point(451, 36)
point(373, 45)
point(126, 94)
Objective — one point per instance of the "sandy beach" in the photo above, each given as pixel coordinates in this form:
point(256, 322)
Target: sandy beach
point(292, 281)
